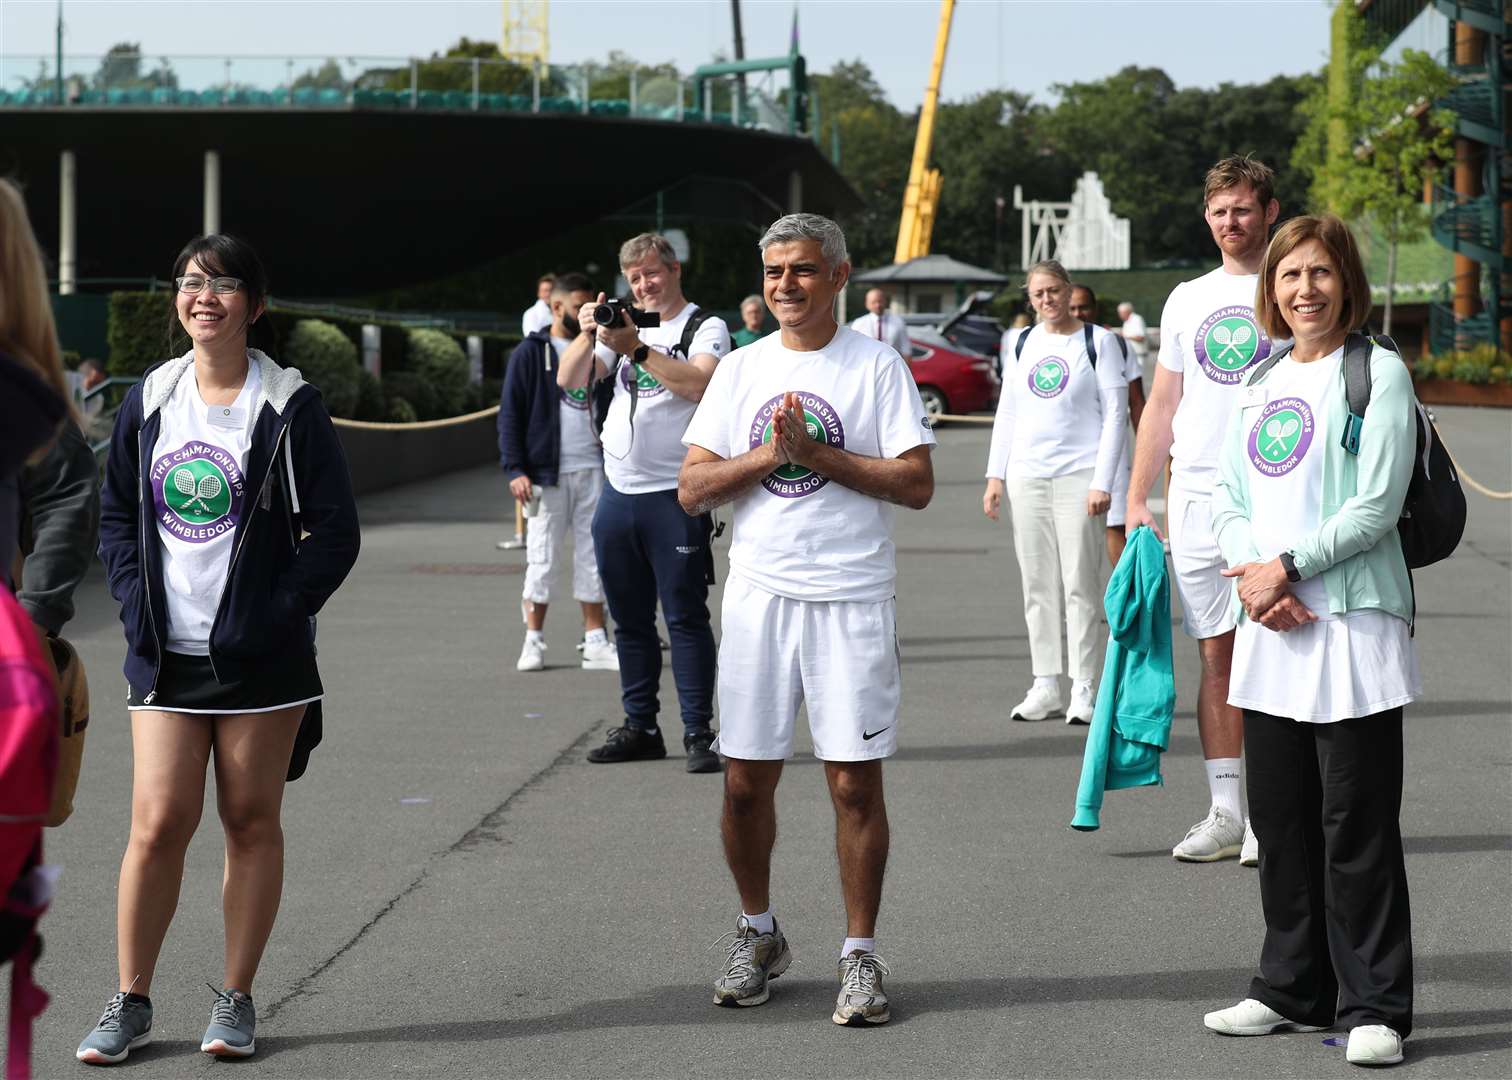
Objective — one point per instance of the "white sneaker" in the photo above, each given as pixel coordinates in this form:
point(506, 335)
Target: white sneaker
point(1215, 837)
point(1373, 1044)
point(1251, 1017)
point(1249, 853)
point(532, 656)
point(1083, 704)
point(599, 655)
point(1039, 704)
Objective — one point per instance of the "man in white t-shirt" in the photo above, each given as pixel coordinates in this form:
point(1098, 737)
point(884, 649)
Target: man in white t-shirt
point(880, 324)
point(1209, 339)
point(537, 316)
point(551, 457)
point(1084, 307)
point(813, 434)
point(649, 550)
point(1134, 331)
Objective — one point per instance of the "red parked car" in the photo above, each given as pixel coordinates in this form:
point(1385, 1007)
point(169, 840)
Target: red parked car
point(950, 379)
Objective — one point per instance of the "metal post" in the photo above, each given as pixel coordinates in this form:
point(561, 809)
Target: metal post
point(475, 84)
point(682, 109)
point(59, 72)
point(535, 87)
point(583, 72)
point(414, 84)
point(474, 359)
point(372, 349)
point(708, 99)
point(632, 91)
point(212, 192)
point(68, 235)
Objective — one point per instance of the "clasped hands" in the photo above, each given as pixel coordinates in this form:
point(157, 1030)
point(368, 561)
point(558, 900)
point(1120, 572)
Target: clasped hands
point(1266, 599)
point(791, 443)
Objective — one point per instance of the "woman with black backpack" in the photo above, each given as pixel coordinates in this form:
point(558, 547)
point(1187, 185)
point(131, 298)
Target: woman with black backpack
point(227, 521)
point(1306, 513)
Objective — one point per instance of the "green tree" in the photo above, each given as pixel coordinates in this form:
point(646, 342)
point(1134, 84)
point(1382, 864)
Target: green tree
point(1397, 139)
point(121, 69)
point(328, 76)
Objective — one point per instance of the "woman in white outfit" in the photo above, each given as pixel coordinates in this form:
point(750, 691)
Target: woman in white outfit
point(1055, 448)
point(1323, 658)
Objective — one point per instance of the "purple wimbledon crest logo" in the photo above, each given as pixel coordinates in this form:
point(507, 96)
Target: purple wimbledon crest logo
point(1279, 440)
point(1049, 377)
point(1228, 342)
point(823, 423)
point(197, 491)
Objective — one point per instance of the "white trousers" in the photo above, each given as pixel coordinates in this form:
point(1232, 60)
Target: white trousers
point(1059, 548)
point(567, 504)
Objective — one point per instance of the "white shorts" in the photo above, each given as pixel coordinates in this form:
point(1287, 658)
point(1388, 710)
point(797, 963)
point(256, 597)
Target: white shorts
point(568, 504)
point(1207, 597)
point(839, 658)
point(1119, 508)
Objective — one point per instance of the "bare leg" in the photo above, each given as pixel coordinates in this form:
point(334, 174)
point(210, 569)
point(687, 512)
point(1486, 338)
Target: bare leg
point(251, 759)
point(861, 840)
point(1220, 726)
point(169, 754)
point(593, 616)
point(1116, 541)
point(535, 615)
point(748, 825)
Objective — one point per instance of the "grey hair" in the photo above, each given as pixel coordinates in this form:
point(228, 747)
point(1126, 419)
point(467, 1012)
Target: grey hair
point(793, 227)
point(752, 299)
point(635, 249)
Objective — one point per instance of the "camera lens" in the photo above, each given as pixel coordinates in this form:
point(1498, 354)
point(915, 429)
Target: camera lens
point(605, 315)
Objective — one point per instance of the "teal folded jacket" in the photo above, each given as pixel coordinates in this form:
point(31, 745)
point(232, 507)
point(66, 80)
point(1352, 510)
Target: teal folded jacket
point(1131, 726)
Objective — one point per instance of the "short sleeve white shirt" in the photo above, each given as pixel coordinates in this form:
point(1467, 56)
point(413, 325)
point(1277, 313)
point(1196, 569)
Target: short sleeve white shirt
point(579, 446)
point(797, 533)
point(646, 457)
point(885, 327)
point(537, 317)
point(199, 492)
point(1209, 335)
point(1135, 325)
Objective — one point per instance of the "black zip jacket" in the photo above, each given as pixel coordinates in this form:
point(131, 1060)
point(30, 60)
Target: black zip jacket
point(276, 583)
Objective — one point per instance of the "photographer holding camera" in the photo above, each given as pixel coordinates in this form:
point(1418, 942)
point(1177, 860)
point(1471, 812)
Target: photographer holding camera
point(659, 355)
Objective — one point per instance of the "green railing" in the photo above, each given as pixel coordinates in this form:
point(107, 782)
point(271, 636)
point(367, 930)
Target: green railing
point(1470, 226)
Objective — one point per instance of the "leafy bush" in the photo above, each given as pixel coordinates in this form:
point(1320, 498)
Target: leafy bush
point(1422, 367)
point(1484, 363)
point(401, 411)
point(136, 332)
point(328, 359)
point(370, 404)
point(439, 360)
point(415, 391)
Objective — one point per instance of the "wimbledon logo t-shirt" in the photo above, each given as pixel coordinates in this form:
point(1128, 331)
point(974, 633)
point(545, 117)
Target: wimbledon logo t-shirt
point(797, 533)
point(579, 446)
point(1285, 437)
point(1209, 335)
point(199, 493)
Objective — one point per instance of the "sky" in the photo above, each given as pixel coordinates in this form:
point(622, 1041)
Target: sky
point(1025, 45)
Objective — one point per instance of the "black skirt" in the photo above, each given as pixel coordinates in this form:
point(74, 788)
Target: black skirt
point(188, 684)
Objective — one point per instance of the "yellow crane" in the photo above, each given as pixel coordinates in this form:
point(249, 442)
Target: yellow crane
point(923, 193)
point(527, 25)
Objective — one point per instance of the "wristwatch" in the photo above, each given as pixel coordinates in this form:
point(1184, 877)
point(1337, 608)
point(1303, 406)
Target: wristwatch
point(640, 353)
point(1290, 566)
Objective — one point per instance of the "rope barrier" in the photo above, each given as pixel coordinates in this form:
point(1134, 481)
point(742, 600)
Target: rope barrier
point(418, 425)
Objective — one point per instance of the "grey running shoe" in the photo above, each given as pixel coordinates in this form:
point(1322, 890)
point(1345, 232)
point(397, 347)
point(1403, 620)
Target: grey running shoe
point(861, 1000)
point(232, 1022)
point(754, 959)
point(125, 1026)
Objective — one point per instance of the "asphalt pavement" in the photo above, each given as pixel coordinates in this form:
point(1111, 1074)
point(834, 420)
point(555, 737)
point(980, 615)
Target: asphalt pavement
point(467, 896)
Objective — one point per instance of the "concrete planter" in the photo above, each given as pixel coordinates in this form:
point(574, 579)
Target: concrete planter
point(1452, 392)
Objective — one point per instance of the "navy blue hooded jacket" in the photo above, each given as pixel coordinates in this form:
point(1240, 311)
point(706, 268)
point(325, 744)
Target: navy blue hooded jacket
point(530, 426)
point(298, 480)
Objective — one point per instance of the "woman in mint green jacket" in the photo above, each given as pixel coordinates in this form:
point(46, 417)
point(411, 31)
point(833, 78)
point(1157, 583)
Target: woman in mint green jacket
point(1323, 659)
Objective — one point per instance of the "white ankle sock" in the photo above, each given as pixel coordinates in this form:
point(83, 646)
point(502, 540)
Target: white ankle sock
point(1049, 682)
point(865, 944)
point(537, 637)
point(763, 923)
point(595, 637)
point(1083, 686)
point(1223, 783)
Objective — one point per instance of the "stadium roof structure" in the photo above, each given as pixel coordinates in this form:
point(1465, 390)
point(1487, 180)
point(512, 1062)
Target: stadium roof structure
point(342, 201)
point(928, 269)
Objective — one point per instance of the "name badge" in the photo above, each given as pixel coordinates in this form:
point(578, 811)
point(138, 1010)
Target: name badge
point(1254, 395)
point(226, 417)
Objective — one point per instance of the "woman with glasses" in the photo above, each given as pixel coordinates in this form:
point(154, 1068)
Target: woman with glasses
point(1056, 441)
point(227, 521)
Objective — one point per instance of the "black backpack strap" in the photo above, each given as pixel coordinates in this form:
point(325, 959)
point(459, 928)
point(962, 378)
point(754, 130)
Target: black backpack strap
point(1018, 345)
point(1357, 350)
point(1087, 341)
point(690, 330)
point(1265, 365)
point(1123, 346)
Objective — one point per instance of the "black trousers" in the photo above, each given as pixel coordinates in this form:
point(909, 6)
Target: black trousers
point(1324, 802)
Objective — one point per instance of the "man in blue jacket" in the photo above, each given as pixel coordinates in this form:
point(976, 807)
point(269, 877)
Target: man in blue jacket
point(555, 467)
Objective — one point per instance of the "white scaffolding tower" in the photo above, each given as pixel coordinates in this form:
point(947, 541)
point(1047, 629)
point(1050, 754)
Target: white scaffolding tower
point(1081, 234)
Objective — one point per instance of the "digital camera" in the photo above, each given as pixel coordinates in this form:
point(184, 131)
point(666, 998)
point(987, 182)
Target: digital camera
point(614, 311)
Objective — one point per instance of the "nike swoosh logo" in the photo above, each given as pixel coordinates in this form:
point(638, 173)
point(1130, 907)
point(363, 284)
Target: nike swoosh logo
point(869, 735)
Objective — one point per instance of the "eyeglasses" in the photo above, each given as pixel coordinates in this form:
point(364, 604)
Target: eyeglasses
point(194, 284)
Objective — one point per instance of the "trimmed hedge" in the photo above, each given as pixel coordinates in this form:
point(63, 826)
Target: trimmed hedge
point(413, 389)
point(328, 359)
point(370, 403)
point(136, 331)
point(439, 360)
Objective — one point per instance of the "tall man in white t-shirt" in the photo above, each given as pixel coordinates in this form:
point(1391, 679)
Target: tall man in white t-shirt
point(537, 316)
point(880, 324)
point(649, 550)
point(814, 434)
point(1209, 339)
